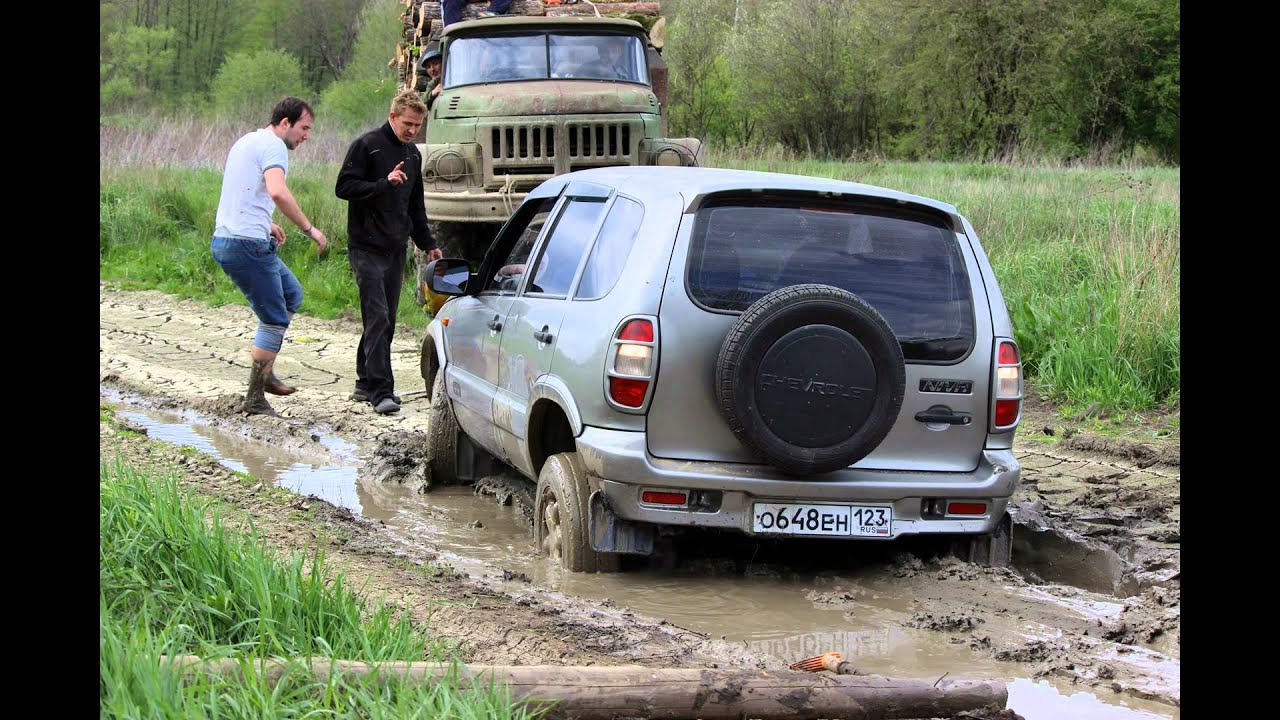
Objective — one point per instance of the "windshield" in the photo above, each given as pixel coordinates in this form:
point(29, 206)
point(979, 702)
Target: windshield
point(545, 56)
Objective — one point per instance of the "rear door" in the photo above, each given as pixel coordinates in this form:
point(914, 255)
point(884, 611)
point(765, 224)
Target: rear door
point(534, 318)
point(910, 264)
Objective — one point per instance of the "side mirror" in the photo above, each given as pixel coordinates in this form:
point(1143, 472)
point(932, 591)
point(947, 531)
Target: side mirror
point(448, 276)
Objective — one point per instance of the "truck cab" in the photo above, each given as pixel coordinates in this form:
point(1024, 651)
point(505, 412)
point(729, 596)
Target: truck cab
point(524, 99)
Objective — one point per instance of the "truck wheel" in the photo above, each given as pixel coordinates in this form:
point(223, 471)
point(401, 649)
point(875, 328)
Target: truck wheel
point(993, 549)
point(442, 437)
point(560, 517)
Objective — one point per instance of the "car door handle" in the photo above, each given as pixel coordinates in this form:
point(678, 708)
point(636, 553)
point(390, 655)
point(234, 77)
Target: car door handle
point(494, 325)
point(946, 416)
point(542, 335)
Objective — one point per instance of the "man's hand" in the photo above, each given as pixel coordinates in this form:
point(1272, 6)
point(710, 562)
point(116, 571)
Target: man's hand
point(321, 241)
point(434, 254)
point(397, 176)
point(436, 90)
point(277, 232)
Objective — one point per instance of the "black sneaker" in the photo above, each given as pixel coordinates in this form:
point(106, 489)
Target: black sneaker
point(387, 406)
point(359, 395)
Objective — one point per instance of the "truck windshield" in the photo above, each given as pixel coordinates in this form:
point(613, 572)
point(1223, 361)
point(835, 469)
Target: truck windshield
point(545, 56)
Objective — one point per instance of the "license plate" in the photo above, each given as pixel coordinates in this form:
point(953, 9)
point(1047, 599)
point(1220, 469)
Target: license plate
point(838, 520)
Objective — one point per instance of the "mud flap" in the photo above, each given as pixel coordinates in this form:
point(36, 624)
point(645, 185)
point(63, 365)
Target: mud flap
point(994, 549)
point(612, 534)
point(475, 462)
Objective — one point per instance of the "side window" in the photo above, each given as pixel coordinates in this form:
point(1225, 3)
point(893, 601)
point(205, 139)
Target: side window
point(610, 253)
point(506, 279)
point(564, 246)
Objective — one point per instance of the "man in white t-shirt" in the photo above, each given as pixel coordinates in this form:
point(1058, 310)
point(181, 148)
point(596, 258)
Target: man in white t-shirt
point(245, 240)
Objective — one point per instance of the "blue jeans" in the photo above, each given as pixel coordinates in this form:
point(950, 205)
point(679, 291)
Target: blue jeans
point(451, 10)
point(268, 284)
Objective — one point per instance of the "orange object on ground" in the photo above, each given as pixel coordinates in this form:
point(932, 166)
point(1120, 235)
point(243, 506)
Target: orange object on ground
point(817, 663)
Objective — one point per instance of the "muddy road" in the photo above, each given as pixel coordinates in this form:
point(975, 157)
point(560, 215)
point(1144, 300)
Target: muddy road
point(1087, 623)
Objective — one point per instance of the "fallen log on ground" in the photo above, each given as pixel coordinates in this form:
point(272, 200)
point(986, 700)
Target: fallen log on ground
point(604, 693)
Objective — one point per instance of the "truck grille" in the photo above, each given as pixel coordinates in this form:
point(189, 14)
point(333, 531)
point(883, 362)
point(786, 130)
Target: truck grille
point(525, 142)
point(599, 141)
point(542, 150)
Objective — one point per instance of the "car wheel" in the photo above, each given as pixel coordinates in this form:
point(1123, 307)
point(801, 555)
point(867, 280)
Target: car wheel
point(811, 378)
point(442, 437)
point(560, 517)
point(993, 549)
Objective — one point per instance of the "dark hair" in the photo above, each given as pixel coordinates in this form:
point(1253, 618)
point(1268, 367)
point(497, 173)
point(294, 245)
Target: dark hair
point(290, 108)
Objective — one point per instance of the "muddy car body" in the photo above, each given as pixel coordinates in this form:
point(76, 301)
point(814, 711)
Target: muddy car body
point(762, 353)
point(526, 98)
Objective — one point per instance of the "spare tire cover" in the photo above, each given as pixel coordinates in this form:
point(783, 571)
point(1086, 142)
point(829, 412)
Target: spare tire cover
point(811, 378)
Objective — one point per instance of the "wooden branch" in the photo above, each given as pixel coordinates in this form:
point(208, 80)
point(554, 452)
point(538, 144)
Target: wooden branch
point(519, 7)
point(603, 693)
point(618, 8)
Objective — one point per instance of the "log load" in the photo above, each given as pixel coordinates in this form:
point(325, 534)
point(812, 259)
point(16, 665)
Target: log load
point(604, 693)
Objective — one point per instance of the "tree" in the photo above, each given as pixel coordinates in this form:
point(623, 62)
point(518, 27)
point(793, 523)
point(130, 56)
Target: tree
point(249, 84)
point(806, 76)
point(362, 96)
point(702, 100)
point(135, 62)
point(967, 75)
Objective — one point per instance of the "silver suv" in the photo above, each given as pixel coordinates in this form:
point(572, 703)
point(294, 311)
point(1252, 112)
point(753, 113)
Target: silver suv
point(661, 348)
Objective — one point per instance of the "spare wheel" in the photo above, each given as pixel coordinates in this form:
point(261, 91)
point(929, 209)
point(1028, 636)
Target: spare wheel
point(811, 377)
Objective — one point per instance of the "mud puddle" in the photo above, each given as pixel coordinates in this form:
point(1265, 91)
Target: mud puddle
point(873, 610)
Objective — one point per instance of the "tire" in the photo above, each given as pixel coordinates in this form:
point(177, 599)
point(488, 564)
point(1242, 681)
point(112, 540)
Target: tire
point(993, 549)
point(442, 437)
point(811, 378)
point(560, 517)
point(427, 365)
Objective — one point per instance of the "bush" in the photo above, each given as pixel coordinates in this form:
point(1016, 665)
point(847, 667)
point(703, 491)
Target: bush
point(356, 104)
point(248, 86)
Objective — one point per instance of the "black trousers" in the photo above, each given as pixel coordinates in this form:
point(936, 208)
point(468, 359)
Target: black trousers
point(379, 279)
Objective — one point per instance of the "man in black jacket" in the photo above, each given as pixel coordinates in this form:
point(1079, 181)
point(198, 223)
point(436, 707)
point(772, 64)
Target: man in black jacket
point(381, 179)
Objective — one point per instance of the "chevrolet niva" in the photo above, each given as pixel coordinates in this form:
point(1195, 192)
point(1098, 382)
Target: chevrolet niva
point(664, 348)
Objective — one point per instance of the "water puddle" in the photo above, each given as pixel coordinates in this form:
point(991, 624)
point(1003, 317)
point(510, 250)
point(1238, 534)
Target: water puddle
point(777, 613)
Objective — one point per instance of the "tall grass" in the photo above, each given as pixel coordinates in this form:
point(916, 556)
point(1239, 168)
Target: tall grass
point(1088, 257)
point(172, 584)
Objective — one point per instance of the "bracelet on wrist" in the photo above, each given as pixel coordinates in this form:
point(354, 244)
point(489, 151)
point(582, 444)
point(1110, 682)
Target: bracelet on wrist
point(309, 229)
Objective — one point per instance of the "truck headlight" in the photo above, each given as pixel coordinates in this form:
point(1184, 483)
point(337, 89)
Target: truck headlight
point(450, 163)
point(674, 152)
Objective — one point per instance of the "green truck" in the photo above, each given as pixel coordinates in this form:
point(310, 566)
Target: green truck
point(525, 98)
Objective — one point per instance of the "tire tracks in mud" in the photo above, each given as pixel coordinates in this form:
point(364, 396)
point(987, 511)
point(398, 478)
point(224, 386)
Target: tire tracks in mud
point(1081, 510)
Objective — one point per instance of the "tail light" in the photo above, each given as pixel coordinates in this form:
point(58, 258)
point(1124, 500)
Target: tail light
point(629, 367)
point(1008, 385)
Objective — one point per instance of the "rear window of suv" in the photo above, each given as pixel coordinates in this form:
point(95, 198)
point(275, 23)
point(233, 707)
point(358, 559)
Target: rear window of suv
point(907, 265)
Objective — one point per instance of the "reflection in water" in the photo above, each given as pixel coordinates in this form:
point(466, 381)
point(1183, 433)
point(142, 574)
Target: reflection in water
point(1035, 700)
point(772, 615)
point(333, 483)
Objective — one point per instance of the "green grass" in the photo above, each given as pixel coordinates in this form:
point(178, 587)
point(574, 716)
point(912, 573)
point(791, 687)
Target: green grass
point(1088, 258)
point(172, 583)
point(155, 225)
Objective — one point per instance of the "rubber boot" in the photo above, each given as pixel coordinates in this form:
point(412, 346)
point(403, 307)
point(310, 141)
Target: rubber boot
point(276, 387)
point(255, 403)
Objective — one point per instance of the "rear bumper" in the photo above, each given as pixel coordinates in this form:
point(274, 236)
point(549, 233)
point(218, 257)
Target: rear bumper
point(625, 467)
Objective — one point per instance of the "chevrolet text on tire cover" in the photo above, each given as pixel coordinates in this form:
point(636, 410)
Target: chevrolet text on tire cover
point(667, 348)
